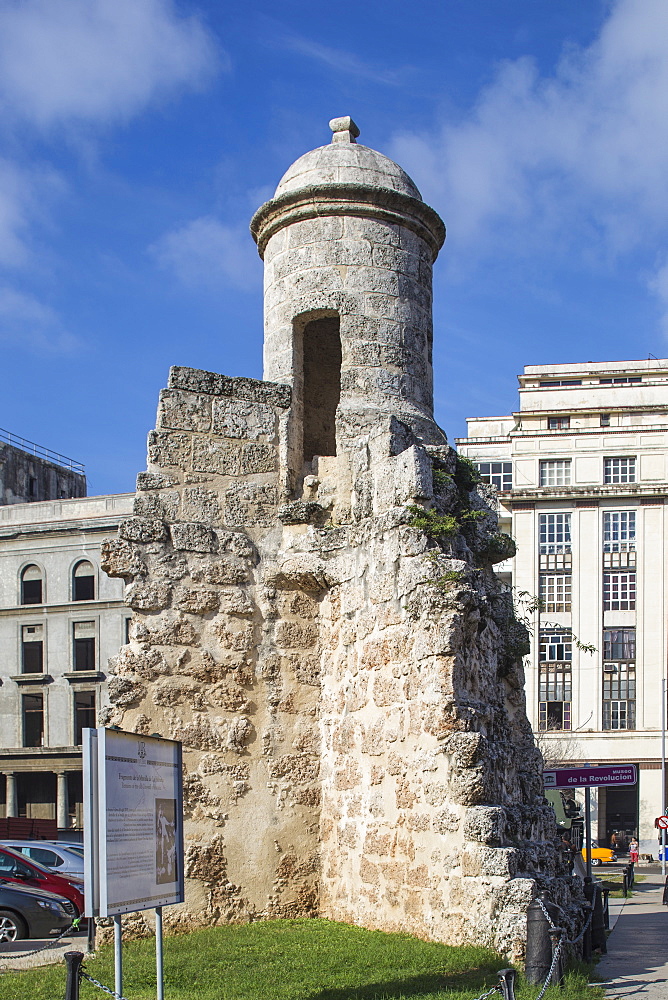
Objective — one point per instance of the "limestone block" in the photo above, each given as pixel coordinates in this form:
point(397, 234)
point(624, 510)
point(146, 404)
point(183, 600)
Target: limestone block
point(164, 506)
point(122, 559)
point(303, 572)
point(123, 691)
point(145, 663)
point(215, 455)
point(143, 529)
point(148, 596)
point(445, 821)
point(240, 418)
point(257, 458)
point(372, 279)
point(296, 768)
point(195, 380)
point(291, 634)
point(237, 543)
point(373, 231)
point(191, 536)
point(166, 632)
point(225, 570)
point(154, 481)
point(196, 601)
point(236, 602)
point(314, 231)
point(198, 504)
point(302, 512)
point(248, 504)
point(184, 411)
point(169, 448)
point(486, 824)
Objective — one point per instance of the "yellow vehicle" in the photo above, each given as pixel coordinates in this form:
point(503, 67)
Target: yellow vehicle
point(599, 855)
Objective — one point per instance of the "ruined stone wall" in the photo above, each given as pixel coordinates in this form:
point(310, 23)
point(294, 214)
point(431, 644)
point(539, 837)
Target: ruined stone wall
point(345, 678)
point(212, 658)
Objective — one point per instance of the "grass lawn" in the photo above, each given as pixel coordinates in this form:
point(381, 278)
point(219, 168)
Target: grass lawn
point(291, 960)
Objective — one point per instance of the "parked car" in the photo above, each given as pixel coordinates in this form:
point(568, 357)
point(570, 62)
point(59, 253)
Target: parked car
point(32, 913)
point(17, 868)
point(599, 855)
point(50, 854)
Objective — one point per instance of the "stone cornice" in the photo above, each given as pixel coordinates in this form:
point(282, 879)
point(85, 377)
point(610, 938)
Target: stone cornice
point(360, 200)
point(572, 494)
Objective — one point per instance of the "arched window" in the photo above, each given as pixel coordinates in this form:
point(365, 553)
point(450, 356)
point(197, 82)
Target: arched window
point(31, 585)
point(83, 582)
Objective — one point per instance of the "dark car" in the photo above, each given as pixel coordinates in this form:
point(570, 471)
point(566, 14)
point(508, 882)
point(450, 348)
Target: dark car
point(18, 869)
point(32, 913)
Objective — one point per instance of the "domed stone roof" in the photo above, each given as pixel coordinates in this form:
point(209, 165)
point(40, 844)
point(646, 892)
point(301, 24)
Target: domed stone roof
point(344, 161)
point(342, 179)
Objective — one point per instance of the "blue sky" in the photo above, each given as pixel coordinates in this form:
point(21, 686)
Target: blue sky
point(140, 135)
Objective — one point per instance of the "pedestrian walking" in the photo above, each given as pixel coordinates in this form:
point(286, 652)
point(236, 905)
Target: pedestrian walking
point(633, 851)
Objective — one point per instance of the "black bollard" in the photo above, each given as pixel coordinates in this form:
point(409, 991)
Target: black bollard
point(559, 969)
point(507, 983)
point(539, 946)
point(598, 942)
point(606, 908)
point(587, 938)
point(665, 894)
point(73, 960)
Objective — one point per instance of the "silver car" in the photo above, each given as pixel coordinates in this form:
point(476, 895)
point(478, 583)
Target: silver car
point(50, 854)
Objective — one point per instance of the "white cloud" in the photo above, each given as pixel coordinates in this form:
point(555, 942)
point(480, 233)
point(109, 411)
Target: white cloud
point(205, 253)
point(26, 322)
point(25, 195)
point(578, 158)
point(96, 60)
point(342, 61)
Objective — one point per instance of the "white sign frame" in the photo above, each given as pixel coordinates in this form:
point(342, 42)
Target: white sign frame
point(134, 797)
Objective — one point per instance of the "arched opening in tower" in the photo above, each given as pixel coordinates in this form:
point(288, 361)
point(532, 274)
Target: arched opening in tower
point(322, 385)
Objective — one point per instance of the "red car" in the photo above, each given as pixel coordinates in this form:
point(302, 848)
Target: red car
point(16, 867)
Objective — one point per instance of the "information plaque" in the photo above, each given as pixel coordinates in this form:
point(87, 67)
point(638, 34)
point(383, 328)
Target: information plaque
point(139, 863)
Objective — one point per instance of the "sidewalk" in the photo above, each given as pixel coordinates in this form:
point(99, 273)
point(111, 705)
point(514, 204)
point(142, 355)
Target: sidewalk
point(637, 961)
point(10, 954)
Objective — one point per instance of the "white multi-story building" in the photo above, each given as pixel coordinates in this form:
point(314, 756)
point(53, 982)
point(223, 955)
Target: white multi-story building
point(581, 475)
point(61, 618)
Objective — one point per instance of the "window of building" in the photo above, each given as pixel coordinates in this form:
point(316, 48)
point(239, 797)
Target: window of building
point(604, 420)
point(619, 695)
point(619, 591)
point(555, 646)
point(619, 644)
point(619, 470)
point(554, 533)
point(84, 714)
point(551, 383)
point(554, 693)
point(626, 380)
point(31, 585)
point(32, 649)
point(619, 531)
point(555, 472)
point(32, 710)
point(126, 630)
point(558, 423)
point(499, 474)
point(555, 592)
point(84, 645)
point(83, 582)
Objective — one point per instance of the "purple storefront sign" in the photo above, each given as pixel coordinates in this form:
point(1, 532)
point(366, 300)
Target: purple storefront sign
point(583, 777)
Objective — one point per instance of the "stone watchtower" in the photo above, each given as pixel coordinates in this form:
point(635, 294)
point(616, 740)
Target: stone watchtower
point(315, 613)
point(348, 246)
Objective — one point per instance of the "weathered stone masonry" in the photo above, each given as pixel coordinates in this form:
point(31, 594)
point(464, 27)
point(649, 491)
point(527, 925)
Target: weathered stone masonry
point(347, 684)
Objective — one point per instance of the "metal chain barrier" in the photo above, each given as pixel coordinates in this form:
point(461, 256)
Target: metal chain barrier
point(74, 926)
point(563, 940)
point(105, 989)
point(494, 989)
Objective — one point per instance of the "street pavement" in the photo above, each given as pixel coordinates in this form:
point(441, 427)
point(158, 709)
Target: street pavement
point(14, 956)
point(636, 964)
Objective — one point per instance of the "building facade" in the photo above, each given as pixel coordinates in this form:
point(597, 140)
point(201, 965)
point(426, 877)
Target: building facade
point(29, 472)
point(580, 471)
point(61, 618)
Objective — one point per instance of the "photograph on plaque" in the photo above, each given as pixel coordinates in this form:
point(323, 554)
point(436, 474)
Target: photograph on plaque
point(166, 869)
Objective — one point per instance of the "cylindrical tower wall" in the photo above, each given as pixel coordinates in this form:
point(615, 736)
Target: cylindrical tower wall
point(377, 278)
